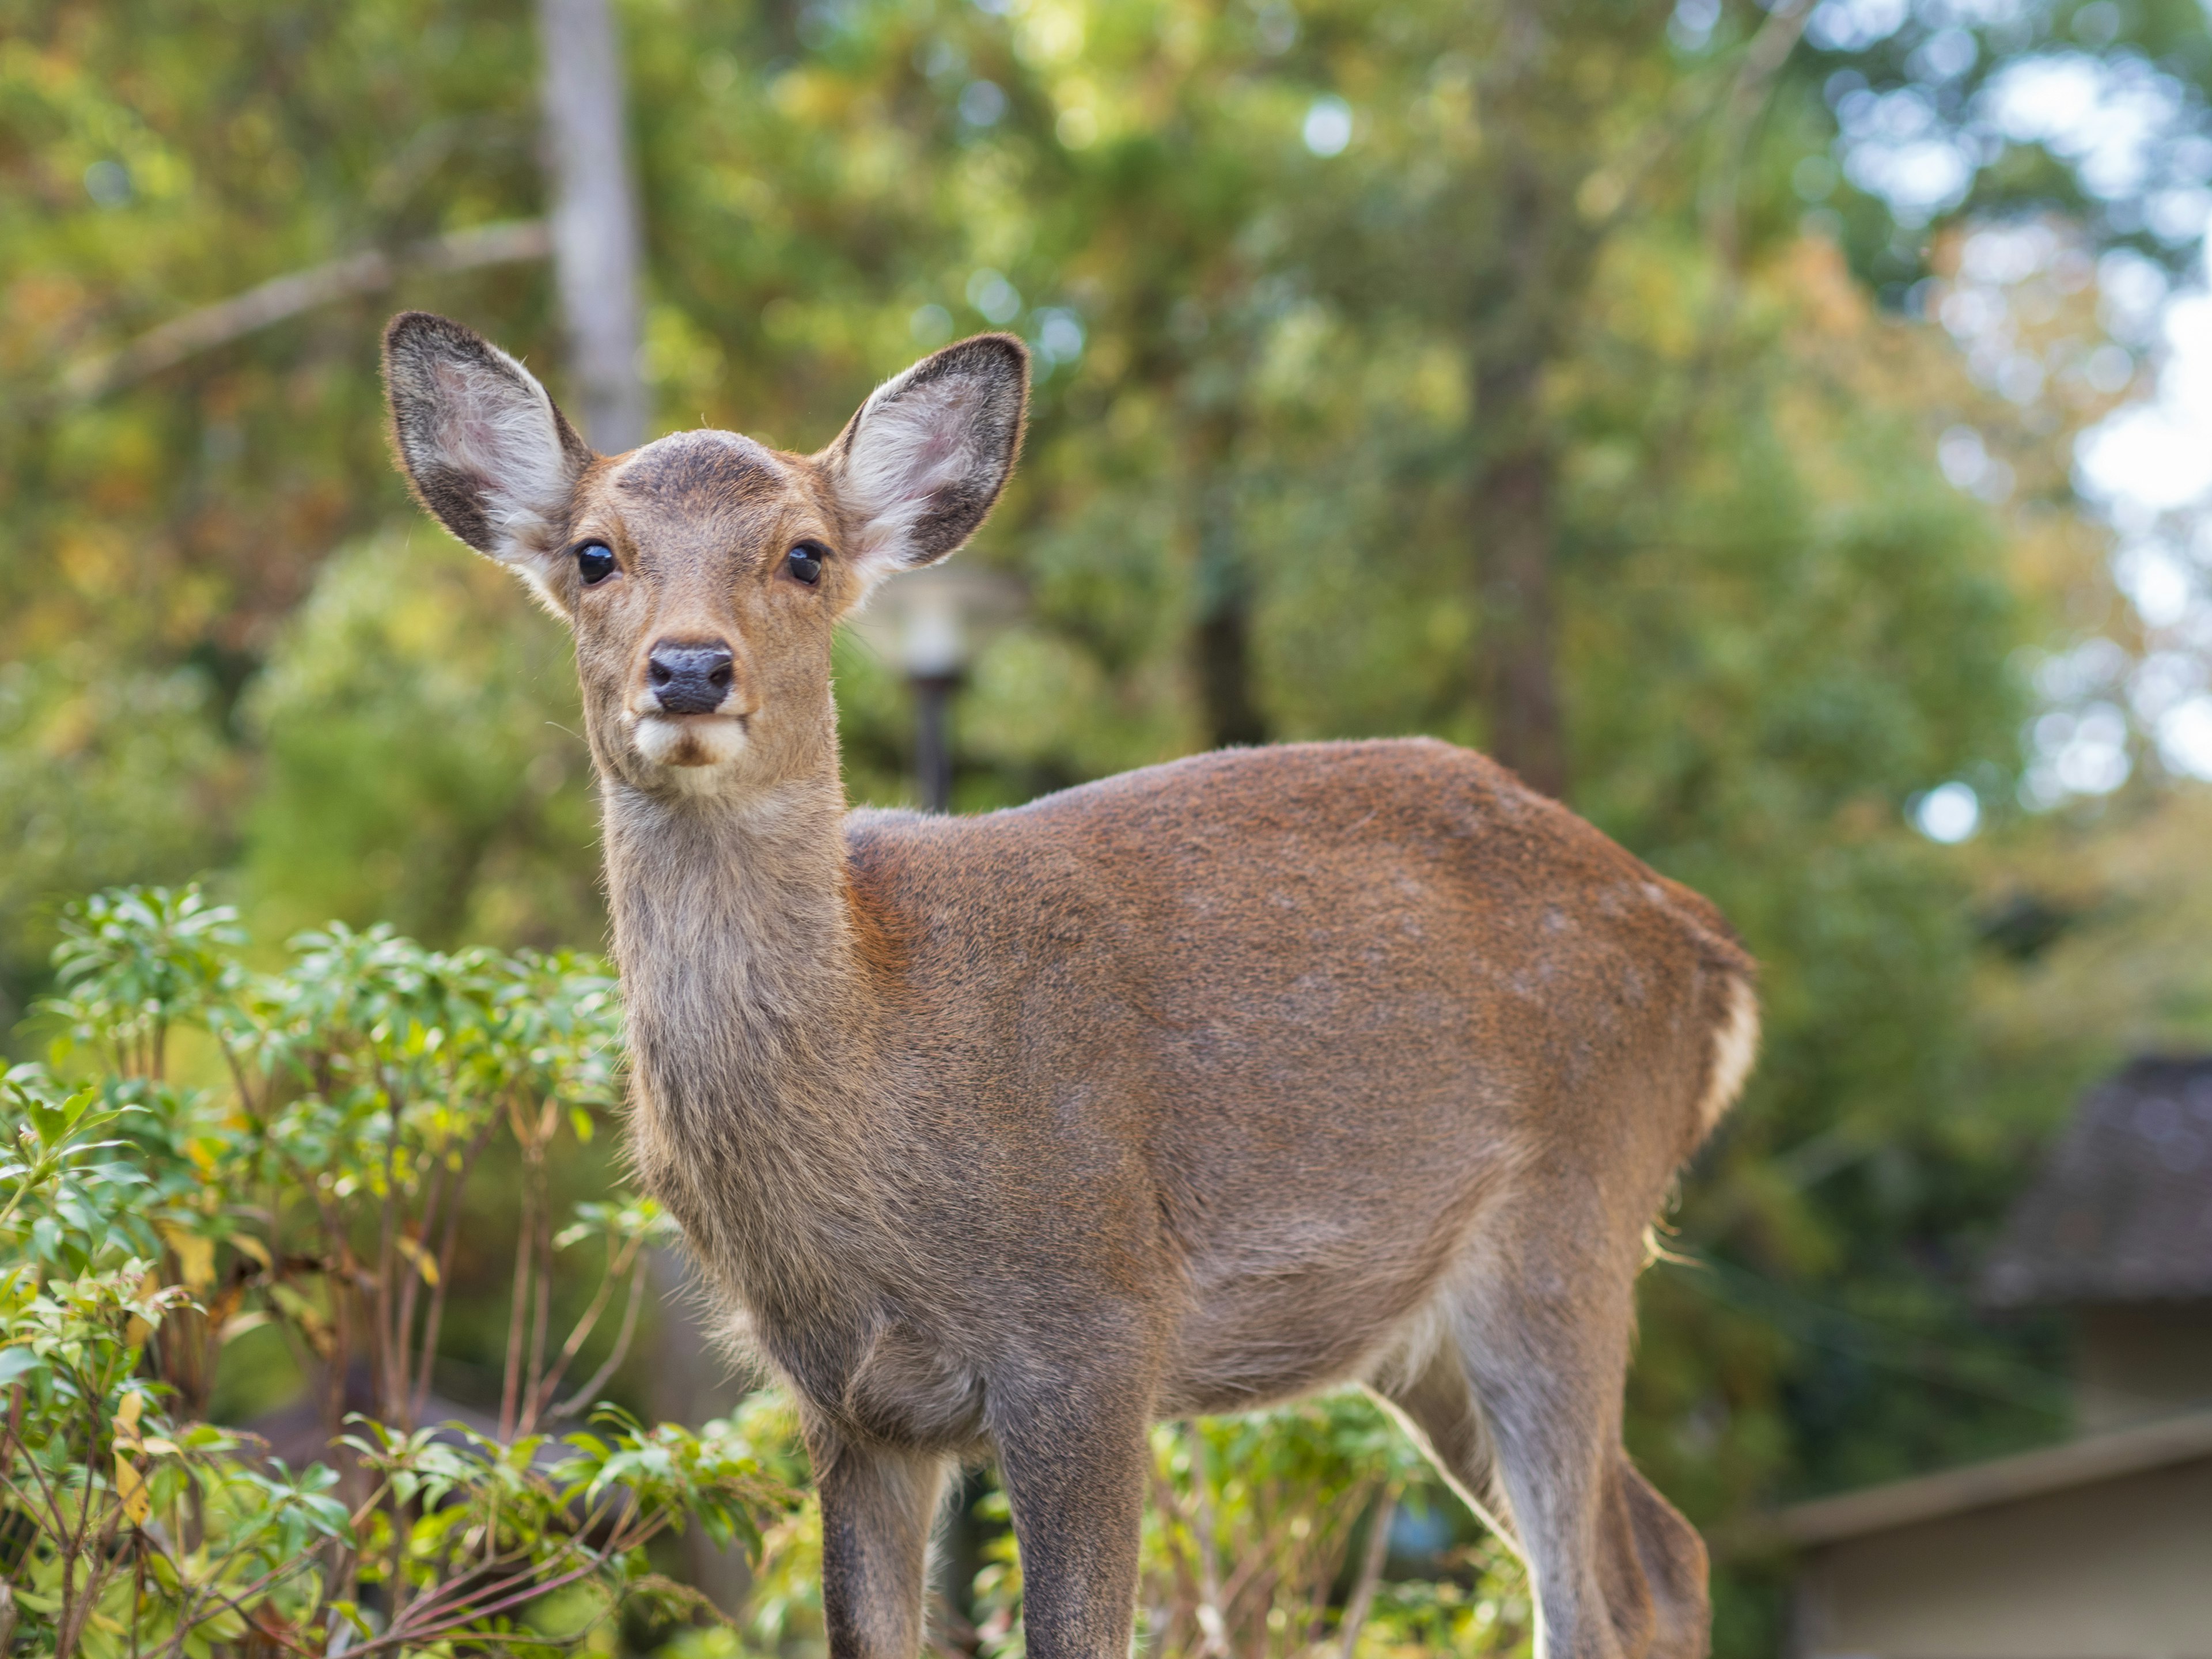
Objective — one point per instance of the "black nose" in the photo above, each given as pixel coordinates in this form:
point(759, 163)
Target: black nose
point(690, 679)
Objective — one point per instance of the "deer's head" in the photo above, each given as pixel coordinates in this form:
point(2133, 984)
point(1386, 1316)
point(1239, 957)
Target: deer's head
point(703, 574)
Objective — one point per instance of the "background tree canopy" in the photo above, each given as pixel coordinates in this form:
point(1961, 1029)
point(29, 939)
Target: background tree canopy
point(1682, 405)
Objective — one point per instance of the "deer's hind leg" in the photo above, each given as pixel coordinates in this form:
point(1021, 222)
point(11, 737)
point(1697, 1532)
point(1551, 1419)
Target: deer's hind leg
point(1520, 1408)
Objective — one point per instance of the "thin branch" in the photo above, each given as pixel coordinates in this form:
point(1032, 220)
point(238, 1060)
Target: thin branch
point(402, 1324)
point(1762, 60)
point(618, 1262)
point(510, 242)
point(1175, 1532)
point(436, 1315)
point(581, 1398)
point(1370, 1572)
point(390, 1379)
point(404, 1629)
point(541, 1320)
point(532, 1589)
point(510, 1393)
point(1209, 1619)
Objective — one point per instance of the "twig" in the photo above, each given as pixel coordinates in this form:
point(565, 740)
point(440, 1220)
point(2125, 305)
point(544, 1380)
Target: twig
point(509, 242)
point(435, 1316)
point(1211, 1623)
point(402, 1325)
point(582, 1397)
point(1763, 58)
point(1370, 1572)
point(1186, 1585)
point(390, 1380)
point(541, 1315)
point(510, 1392)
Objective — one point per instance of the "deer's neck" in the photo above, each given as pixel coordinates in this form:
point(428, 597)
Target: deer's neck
point(751, 1028)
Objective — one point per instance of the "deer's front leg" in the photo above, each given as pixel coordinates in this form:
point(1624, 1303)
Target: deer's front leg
point(1073, 1454)
point(878, 1505)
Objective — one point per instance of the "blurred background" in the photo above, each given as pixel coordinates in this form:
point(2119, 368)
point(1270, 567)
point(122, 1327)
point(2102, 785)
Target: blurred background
point(1785, 433)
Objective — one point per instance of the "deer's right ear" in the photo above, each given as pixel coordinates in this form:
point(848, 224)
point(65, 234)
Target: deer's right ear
point(487, 451)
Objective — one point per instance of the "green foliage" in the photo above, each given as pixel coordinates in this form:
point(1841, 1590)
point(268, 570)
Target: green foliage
point(106, 774)
point(1256, 502)
point(148, 1221)
point(423, 766)
point(1268, 1534)
point(1260, 1539)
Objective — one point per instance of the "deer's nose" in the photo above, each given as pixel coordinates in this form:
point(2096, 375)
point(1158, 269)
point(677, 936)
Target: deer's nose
point(687, 677)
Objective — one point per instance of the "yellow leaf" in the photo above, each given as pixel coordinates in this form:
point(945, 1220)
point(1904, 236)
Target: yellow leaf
point(130, 1487)
point(161, 1447)
point(233, 1328)
point(248, 1244)
point(421, 1257)
point(127, 1412)
point(195, 1256)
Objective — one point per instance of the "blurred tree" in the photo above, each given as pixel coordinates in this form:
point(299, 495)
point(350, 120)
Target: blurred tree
point(594, 216)
point(420, 754)
point(1548, 378)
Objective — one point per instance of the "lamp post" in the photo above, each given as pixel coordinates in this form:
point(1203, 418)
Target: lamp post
point(930, 646)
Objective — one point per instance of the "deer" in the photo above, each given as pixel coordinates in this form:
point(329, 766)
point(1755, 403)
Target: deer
point(1186, 1091)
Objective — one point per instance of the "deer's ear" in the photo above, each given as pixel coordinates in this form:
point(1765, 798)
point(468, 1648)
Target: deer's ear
point(918, 467)
point(486, 450)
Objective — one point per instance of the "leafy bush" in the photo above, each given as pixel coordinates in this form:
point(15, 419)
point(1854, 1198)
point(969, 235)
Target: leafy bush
point(150, 1216)
point(1269, 1535)
point(211, 1151)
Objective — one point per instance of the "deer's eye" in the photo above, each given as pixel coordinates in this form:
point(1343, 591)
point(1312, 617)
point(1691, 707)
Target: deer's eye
point(595, 562)
point(805, 562)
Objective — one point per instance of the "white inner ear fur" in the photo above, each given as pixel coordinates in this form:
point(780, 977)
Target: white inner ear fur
point(911, 442)
point(502, 431)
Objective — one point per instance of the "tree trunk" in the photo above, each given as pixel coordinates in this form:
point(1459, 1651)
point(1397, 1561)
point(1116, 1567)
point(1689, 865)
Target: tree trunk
point(594, 218)
point(1221, 644)
point(596, 259)
point(1520, 321)
point(1519, 678)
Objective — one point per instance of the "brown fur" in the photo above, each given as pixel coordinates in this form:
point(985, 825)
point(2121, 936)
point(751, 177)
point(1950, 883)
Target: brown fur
point(1197, 1088)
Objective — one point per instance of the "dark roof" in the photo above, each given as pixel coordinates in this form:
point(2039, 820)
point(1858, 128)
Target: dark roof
point(2123, 1210)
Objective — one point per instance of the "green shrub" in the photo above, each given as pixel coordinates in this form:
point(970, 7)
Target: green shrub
point(211, 1151)
point(233, 1150)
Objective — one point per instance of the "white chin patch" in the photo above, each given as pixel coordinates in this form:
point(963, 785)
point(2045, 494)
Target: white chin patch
point(690, 740)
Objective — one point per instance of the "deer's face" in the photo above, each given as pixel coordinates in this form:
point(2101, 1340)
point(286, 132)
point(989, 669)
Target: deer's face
point(703, 574)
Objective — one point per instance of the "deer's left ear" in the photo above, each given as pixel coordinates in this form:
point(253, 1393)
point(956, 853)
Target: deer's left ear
point(919, 468)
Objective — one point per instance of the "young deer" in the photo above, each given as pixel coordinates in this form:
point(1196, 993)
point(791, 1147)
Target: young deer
point(1195, 1089)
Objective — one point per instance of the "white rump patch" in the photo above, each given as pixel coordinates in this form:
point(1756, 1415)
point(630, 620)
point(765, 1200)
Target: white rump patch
point(1735, 1046)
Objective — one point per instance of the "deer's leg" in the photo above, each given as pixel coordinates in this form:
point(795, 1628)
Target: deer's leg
point(1437, 1406)
point(877, 1506)
point(1543, 1331)
point(1073, 1454)
point(1673, 1558)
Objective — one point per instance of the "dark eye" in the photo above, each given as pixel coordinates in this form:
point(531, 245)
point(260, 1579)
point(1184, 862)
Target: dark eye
point(805, 561)
point(595, 562)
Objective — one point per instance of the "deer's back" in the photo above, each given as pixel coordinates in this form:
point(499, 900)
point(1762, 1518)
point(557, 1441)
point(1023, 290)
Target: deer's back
point(1294, 1013)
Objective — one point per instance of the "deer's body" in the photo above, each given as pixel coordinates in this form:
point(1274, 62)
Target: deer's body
point(1203, 1086)
point(1230, 1053)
